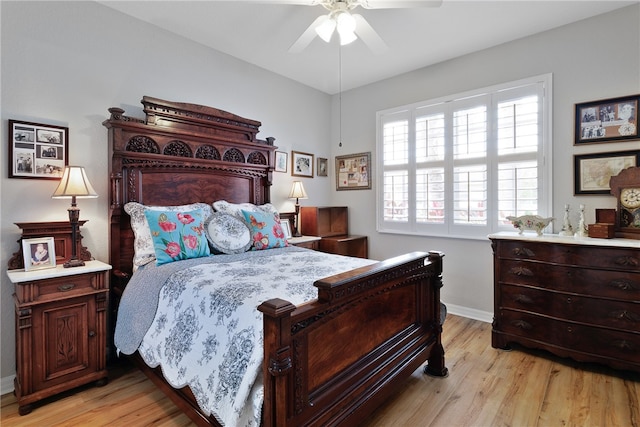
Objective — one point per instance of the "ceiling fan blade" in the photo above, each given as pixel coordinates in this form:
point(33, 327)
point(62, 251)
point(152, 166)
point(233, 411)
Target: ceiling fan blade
point(398, 4)
point(369, 35)
point(309, 34)
point(292, 2)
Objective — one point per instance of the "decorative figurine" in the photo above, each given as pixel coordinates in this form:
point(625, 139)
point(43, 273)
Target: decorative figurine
point(582, 230)
point(567, 229)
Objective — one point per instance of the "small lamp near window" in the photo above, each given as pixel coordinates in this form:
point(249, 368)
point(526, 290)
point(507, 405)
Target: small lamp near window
point(297, 192)
point(74, 184)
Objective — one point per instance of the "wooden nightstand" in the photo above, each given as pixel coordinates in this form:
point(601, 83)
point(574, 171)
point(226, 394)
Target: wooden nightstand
point(332, 224)
point(309, 242)
point(61, 330)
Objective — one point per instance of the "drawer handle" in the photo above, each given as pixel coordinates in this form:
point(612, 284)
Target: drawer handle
point(66, 287)
point(524, 299)
point(623, 285)
point(626, 261)
point(622, 345)
point(523, 251)
point(92, 334)
point(522, 324)
point(521, 271)
point(624, 315)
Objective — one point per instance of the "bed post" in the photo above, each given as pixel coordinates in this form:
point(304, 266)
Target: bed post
point(278, 363)
point(435, 366)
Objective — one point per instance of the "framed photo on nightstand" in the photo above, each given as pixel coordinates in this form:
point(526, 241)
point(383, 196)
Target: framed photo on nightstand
point(38, 253)
point(286, 228)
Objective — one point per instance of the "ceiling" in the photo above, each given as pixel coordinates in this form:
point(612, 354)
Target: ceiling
point(261, 33)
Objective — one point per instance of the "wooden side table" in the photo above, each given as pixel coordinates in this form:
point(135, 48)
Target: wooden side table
point(61, 330)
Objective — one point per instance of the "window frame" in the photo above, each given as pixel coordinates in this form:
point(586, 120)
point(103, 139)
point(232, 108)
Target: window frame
point(541, 85)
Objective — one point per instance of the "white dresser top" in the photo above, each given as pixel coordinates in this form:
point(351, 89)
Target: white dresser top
point(556, 238)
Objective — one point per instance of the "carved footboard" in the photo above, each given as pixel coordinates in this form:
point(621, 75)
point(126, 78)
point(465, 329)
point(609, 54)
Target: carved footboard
point(334, 360)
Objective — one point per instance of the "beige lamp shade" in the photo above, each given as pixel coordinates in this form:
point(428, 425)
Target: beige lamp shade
point(297, 191)
point(74, 182)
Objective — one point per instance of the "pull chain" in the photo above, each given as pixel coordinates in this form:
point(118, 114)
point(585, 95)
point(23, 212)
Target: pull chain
point(340, 94)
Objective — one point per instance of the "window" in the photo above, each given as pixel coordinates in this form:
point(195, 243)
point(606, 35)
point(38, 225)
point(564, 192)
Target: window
point(458, 166)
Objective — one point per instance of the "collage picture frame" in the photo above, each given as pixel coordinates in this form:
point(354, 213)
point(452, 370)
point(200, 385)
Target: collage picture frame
point(607, 120)
point(37, 150)
point(353, 172)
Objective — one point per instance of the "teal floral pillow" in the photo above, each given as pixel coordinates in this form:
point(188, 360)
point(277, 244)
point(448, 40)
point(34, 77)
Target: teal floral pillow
point(177, 235)
point(266, 231)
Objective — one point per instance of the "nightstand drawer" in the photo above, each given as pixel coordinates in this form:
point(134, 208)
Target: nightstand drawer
point(63, 287)
point(355, 246)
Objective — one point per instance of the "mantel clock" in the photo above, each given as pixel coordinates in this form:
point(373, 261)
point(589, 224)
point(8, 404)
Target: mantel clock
point(625, 187)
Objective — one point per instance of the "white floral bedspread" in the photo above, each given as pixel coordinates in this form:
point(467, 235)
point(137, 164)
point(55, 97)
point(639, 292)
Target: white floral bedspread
point(207, 331)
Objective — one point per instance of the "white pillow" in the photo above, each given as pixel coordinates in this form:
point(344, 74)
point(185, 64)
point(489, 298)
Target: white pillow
point(236, 209)
point(227, 234)
point(143, 251)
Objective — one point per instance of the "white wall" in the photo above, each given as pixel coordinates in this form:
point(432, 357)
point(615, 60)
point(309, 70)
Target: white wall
point(65, 63)
point(594, 59)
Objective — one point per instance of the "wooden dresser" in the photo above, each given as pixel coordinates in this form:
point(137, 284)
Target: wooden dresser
point(574, 297)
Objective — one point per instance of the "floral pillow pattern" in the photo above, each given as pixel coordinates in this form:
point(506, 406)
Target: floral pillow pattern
point(266, 231)
point(144, 252)
point(227, 234)
point(236, 209)
point(177, 235)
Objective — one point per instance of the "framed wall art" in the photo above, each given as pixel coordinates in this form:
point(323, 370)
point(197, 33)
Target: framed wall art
point(323, 166)
point(281, 161)
point(353, 172)
point(593, 171)
point(301, 164)
point(38, 253)
point(607, 120)
point(37, 150)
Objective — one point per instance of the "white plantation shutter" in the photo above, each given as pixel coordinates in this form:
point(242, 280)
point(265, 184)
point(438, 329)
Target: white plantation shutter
point(458, 166)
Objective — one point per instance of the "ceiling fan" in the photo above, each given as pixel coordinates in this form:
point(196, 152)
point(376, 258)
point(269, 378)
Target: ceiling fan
point(349, 26)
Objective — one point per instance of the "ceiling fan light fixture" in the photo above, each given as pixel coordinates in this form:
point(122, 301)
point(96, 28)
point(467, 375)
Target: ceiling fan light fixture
point(325, 30)
point(347, 37)
point(346, 25)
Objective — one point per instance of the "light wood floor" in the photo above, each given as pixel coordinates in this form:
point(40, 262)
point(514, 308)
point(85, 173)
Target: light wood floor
point(486, 387)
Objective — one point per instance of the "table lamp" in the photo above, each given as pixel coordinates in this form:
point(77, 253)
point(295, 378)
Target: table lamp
point(74, 184)
point(297, 192)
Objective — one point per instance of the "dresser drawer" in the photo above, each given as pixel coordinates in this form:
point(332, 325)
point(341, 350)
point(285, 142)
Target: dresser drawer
point(533, 327)
point(592, 256)
point(578, 339)
point(57, 288)
point(622, 315)
point(599, 283)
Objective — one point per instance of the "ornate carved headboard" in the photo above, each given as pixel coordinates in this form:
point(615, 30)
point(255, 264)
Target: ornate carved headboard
point(181, 153)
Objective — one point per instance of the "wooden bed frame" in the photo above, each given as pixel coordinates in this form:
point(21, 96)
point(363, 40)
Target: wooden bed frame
point(330, 361)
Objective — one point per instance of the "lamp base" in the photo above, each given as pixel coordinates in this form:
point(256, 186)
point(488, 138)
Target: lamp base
point(73, 263)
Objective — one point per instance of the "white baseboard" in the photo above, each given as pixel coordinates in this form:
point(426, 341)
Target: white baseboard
point(6, 384)
point(471, 313)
